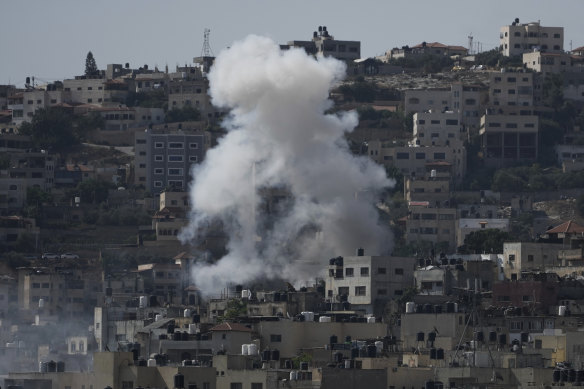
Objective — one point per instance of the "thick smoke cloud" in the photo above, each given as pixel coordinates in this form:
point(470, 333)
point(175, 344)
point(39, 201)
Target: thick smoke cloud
point(280, 136)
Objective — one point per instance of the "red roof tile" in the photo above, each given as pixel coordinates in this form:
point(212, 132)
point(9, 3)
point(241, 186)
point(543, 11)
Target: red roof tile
point(569, 227)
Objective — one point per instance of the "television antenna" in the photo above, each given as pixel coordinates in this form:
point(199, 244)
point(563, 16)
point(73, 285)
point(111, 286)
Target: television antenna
point(206, 51)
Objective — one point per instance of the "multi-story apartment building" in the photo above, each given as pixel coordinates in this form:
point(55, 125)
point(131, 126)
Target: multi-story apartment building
point(511, 89)
point(325, 44)
point(96, 90)
point(434, 225)
point(121, 118)
point(37, 98)
point(463, 100)
point(553, 63)
point(509, 139)
point(58, 290)
point(438, 129)
point(519, 38)
point(164, 160)
point(362, 280)
point(520, 257)
point(36, 168)
point(417, 160)
point(163, 280)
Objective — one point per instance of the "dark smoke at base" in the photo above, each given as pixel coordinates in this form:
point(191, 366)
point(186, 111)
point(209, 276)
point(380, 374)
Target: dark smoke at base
point(278, 136)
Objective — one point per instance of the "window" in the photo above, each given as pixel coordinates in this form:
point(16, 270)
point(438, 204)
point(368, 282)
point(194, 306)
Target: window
point(127, 384)
point(349, 272)
point(175, 145)
point(381, 270)
point(343, 291)
point(175, 158)
point(158, 184)
point(159, 171)
point(403, 156)
point(530, 258)
point(420, 155)
point(233, 385)
point(193, 158)
point(142, 166)
point(159, 158)
point(451, 122)
point(364, 272)
point(275, 338)
point(399, 272)
point(36, 285)
point(175, 172)
point(360, 291)
point(158, 145)
point(175, 184)
point(382, 292)
point(439, 155)
point(256, 385)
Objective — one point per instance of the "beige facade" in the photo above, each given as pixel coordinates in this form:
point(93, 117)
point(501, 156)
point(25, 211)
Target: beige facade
point(519, 38)
point(363, 280)
point(509, 139)
point(290, 336)
point(552, 63)
point(414, 161)
point(526, 256)
point(511, 89)
point(96, 90)
point(463, 100)
point(468, 225)
point(435, 225)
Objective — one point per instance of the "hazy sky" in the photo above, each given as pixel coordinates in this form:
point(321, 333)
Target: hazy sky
point(49, 39)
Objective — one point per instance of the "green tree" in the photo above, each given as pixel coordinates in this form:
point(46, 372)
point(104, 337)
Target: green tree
point(234, 309)
point(51, 129)
point(489, 240)
point(90, 65)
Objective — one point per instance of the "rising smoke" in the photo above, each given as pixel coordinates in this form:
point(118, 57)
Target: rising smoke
point(279, 136)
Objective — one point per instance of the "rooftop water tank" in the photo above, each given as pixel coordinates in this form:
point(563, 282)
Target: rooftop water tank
point(410, 307)
point(324, 319)
point(143, 302)
point(253, 349)
point(245, 349)
point(151, 362)
point(562, 310)
point(187, 313)
point(371, 319)
point(158, 317)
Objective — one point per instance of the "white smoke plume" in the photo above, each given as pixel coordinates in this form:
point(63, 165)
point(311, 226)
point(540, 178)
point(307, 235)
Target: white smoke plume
point(280, 136)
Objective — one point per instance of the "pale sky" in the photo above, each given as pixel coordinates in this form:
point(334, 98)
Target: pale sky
point(49, 39)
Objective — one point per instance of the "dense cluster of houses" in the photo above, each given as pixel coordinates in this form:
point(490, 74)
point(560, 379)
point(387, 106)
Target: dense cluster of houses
point(505, 319)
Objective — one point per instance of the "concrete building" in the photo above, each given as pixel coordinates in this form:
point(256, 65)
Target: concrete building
point(438, 129)
point(464, 100)
point(521, 257)
point(35, 168)
point(467, 225)
point(163, 280)
point(553, 63)
point(164, 160)
point(519, 38)
point(324, 44)
point(511, 89)
point(433, 225)
point(118, 370)
point(364, 280)
point(424, 48)
point(84, 90)
point(509, 139)
point(121, 117)
point(14, 228)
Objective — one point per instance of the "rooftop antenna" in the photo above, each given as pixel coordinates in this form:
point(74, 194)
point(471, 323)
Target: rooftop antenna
point(470, 43)
point(206, 51)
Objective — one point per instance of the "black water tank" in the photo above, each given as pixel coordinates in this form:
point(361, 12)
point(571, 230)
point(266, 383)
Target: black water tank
point(184, 336)
point(179, 381)
point(579, 375)
point(153, 301)
point(429, 385)
point(438, 308)
point(557, 375)
point(238, 289)
point(266, 355)
point(60, 366)
point(428, 308)
point(440, 353)
point(420, 337)
point(431, 336)
point(419, 308)
point(170, 329)
point(450, 307)
point(275, 355)
point(135, 353)
point(502, 339)
point(196, 318)
point(363, 352)
point(348, 339)
point(524, 337)
point(571, 375)
point(354, 352)
point(371, 351)
point(51, 366)
point(162, 336)
point(176, 336)
point(338, 357)
point(433, 354)
point(276, 297)
point(333, 339)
